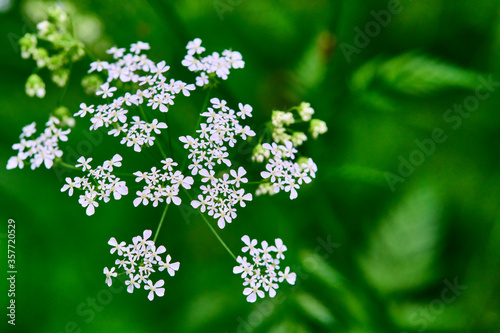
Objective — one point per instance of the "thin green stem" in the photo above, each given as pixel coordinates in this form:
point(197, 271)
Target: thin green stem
point(65, 88)
point(141, 109)
point(69, 166)
point(162, 152)
point(169, 137)
point(161, 222)
point(204, 107)
point(256, 182)
point(212, 228)
point(205, 104)
point(217, 235)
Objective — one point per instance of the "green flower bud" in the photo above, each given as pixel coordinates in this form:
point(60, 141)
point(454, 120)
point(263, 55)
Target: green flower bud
point(59, 16)
point(260, 154)
point(61, 112)
point(35, 86)
point(60, 76)
point(302, 160)
point(91, 83)
point(298, 138)
point(265, 188)
point(77, 52)
point(277, 118)
point(28, 45)
point(56, 61)
point(64, 115)
point(279, 135)
point(305, 111)
point(317, 127)
point(41, 56)
point(45, 28)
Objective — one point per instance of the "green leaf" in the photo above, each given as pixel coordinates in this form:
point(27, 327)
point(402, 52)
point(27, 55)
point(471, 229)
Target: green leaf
point(401, 253)
point(314, 309)
point(412, 74)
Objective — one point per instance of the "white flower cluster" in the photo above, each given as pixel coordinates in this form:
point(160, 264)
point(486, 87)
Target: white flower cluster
point(156, 188)
point(263, 269)
point(285, 174)
point(214, 63)
point(222, 127)
point(138, 261)
point(98, 184)
point(42, 150)
point(155, 90)
point(221, 196)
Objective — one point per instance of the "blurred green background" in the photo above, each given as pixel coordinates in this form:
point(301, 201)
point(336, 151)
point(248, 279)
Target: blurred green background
point(410, 250)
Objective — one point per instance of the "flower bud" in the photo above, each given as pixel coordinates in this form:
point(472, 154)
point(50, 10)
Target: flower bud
point(265, 188)
point(41, 56)
point(45, 28)
point(91, 83)
point(28, 45)
point(77, 52)
point(277, 118)
point(60, 76)
point(302, 160)
point(317, 127)
point(58, 15)
point(64, 115)
point(35, 86)
point(280, 118)
point(259, 154)
point(305, 111)
point(279, 135)
point(298, 138)
point(56, 61)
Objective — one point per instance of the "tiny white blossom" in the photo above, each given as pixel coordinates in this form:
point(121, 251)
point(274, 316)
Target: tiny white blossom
point(109, 274)
point(155, 289)
point(106, 91)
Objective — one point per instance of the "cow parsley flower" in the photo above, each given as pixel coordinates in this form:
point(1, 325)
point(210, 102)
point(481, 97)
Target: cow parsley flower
point(215, 63)
point(139, 260)
point(149, 86)
point(98, 185)
point(162, 185)
point(261, 274)
point(283, 172)
point(221, 129)
point(42, 150)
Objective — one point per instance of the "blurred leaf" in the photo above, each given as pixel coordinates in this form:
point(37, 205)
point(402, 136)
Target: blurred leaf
point(409, 73)
point(345, 295)
point(312, 67)
point(314, 309)
point(413, 316)
point(322, 270)
point(401, 253)
point(417, 74)
point(288, 327)
point(361, 173)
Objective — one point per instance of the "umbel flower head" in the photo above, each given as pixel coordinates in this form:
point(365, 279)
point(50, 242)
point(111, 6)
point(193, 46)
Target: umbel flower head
point(261, 274)
point(99, 183)
point(42, 150)
point(220, 195)
point(285, 174)
point(138, 261)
